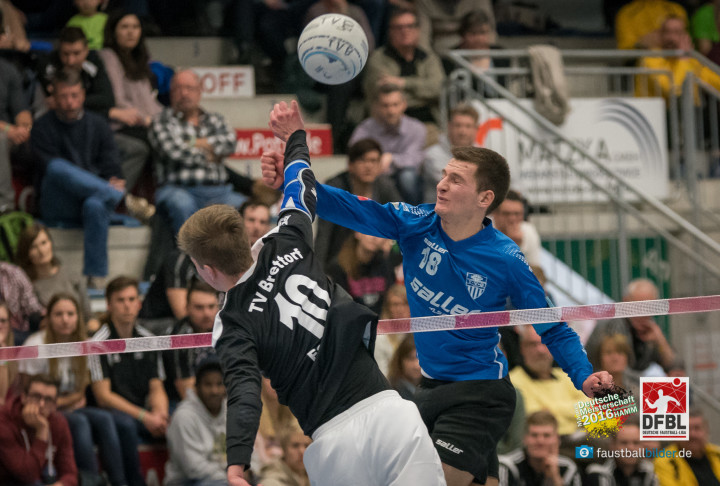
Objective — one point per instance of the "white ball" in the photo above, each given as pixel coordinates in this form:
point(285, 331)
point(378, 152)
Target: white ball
point(333, 49)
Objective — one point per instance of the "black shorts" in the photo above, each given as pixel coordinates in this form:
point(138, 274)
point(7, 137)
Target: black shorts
point(466, 420)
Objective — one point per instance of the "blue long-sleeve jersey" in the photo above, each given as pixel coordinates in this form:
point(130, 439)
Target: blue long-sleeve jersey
point(443, 276)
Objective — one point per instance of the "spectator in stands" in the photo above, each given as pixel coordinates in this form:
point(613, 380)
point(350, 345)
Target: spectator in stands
point(191, 145)
point(274, 419)
point(8, 369)
point(35, 442)
point(401, 62)
point(509, 218)
point(202, 306)
point(363, 269)
point(539, 462)
point(543, 386)
point(256, 216)
point(440, 22)
point(77, 147)
point(624, 469)
point(461, 132)
point(646, 339)
point(36, 256)
point(703, 27)
point(91, 21)
point(395, 306)
point(404, 372)
point(673, 35)
point(65, 324)
point(127, 60)
point(615, 352)
point(638, 24)
point(701, 464)
point(12, 30)
point(73, 52)
point(401, 137)
point(196, 435)
point(127, 383)
point(290, 470)
point(19, 296)
point(15, 123)
point(364, 178)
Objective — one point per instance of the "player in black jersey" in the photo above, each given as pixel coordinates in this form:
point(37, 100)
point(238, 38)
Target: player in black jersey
point(283, 318)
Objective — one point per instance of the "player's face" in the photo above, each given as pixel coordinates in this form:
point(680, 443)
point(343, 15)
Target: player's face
point(628, 438)
point(257, 222)
point(457, 193)
point(202, 308)
point(508, 216)
point(404, 31)
point(541, 441)
point(390, 108)
point(41, 250)
point(128, 32)
point(211, 391)
point(295, 450)
point(185, 92)
point(366, 168)
point(73, 54)
point(462, 130)
point(69, 100)
point(64, 318)
point(124, 306)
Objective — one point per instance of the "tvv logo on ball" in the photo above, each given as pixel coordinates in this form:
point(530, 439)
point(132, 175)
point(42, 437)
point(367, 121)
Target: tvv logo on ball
point(664, 408)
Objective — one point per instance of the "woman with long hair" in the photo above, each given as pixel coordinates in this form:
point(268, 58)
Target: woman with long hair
point(36, 256)
point(404, 371)
point(395, 306)
point(8, 369)
point(127, 62)
point(64, 325)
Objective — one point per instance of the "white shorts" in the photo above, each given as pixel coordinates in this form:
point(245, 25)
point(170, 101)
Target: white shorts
point(380, 441)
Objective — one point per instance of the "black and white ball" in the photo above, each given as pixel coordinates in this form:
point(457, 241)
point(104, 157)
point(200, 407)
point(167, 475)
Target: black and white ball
point(333, 49)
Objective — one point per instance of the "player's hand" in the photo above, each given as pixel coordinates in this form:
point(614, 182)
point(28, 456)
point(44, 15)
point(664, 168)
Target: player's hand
point(286, 120)
point(236, 476)
point(596, 382)
point(273, 169)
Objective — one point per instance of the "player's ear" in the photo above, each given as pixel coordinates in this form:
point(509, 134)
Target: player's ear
point(485, 199)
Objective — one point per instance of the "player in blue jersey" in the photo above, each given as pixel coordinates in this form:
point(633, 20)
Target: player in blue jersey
point(455, 262)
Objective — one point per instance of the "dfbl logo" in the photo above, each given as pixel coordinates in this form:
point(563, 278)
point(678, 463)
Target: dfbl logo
point(584, 452)
point(664, 408)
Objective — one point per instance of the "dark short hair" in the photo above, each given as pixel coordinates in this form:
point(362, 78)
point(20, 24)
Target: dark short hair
point(386, 89)
point(67, 76)
point(43, 378)
point(464, 109)
point(197, 285)
point(541, 417)
point(118, 284)
point(398, 11)
point(513, 195)
point(491, 173)
point(207, 365)
point(250, 204)
point(472, 20)
point(361, 147)
point(71, 35)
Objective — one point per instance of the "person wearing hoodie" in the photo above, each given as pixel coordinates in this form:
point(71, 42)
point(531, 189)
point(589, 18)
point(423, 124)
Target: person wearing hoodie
point(35, 442)
point(196, 435)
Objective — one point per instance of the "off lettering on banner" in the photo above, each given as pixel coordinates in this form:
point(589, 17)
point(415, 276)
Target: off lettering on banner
point(664, 408)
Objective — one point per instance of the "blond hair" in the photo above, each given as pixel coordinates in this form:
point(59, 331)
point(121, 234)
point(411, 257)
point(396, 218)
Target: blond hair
point(215, 236)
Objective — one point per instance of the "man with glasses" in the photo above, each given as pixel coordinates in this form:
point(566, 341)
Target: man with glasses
point(35, 442)
point(403, 63)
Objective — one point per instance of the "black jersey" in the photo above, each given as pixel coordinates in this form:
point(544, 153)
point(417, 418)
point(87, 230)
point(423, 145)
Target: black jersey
point(284, 318)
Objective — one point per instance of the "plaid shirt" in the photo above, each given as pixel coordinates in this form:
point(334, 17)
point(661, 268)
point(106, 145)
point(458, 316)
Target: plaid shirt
point(181, 163)
point(19, 295)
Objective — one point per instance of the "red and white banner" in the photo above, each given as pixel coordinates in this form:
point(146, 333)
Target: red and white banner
point(252, 142)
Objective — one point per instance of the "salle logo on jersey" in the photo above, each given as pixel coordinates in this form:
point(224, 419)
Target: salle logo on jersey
point(475, 284)
point(401, 206)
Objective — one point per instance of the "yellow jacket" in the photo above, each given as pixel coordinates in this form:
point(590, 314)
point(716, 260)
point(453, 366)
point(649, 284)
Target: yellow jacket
point(661, 84)
point(676, 471)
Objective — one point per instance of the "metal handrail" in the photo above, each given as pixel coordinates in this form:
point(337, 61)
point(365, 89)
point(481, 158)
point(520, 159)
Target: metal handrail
point(656, 204)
